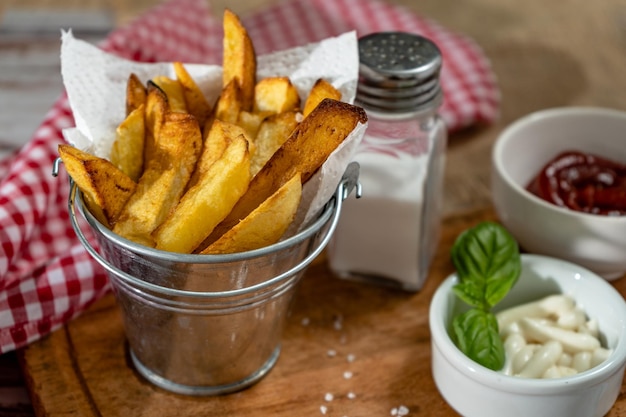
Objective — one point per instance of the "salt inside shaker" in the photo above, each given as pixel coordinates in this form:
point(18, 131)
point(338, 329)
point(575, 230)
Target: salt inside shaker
point(389, 235)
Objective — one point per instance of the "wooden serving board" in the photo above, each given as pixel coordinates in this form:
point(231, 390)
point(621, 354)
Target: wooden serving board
point(349, 349)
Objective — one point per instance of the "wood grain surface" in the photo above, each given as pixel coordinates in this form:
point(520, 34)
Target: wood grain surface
point(367, 347)
point(544, 54)
point(85, 370)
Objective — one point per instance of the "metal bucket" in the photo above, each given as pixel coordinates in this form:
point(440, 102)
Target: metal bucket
point(207, 324)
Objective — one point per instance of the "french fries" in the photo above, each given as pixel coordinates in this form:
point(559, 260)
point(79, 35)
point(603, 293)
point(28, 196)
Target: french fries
point(272, 133)
point(208, 202)
point(156, 107)
point(173, 91)
point(220, 135)
point(196, 102)
point(275, 95)
point(239, 59)
point(105, 188)
point(190, 176)
point(265, 224)
point(305, 151)
point(164, 180)
point(127, 150)
point(251, 122)
point(230, 103)
point(321, 89)
point(135, 93)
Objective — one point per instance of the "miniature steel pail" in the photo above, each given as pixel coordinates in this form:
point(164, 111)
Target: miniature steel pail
point(207, 324)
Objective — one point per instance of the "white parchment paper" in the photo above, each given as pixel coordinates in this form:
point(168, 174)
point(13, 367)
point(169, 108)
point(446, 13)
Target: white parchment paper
point(95, 82)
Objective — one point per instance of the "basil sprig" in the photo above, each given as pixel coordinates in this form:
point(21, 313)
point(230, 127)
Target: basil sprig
point(488, 264)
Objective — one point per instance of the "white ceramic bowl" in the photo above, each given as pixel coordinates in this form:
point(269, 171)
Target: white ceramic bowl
point(475, 391)
point(594, 241)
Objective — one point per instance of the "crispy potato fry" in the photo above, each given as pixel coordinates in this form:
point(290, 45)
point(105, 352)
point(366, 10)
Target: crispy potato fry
point(197, 104)
point(156, 107)
point(135, 93)
point(229, 107)
point(305, 151)
point(127, 150)
point(229, 104)
point(174, 92)
point(189, 176)
point(321, 89)
point(239, 58)
point(275, 95)
point(274, 131)
point(215, 143)
point(105, 188)
point(208, 202)
point(164, 179)
point(265, 225)
point(251, 122)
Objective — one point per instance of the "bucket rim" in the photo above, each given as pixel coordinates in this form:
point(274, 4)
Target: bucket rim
point(193, 258)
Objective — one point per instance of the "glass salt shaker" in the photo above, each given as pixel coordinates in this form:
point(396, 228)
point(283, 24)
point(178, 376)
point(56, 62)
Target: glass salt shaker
point(390, 234)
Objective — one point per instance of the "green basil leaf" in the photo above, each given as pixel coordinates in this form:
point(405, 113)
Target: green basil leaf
point(475, 333)
point(487, 261)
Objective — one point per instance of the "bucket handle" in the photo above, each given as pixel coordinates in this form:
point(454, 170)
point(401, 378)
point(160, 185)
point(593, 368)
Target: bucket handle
point(349, 181)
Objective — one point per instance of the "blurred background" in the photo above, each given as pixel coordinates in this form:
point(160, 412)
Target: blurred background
point(544, 54)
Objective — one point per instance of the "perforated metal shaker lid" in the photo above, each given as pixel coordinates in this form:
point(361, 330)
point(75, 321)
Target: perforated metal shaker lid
point(398, 71)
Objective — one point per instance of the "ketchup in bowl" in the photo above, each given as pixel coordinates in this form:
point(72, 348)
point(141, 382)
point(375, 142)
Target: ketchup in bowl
point(583, 182)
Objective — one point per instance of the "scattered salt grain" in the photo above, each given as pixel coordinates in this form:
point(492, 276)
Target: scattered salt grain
point(331, 353)
point(351, 395)
point(400, 411)
point(305, 321)
point(323, 409)
point(350, 357)
point(328, 397)
point(347, 375)
point(338, 325)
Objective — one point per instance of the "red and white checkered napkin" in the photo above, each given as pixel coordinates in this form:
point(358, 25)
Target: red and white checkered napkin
point(46, 277)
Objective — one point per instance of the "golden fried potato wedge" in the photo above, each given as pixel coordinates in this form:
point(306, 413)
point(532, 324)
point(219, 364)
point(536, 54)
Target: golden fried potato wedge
point(229, 103)
point(197, 104)
point(308, 147)
point(156, 107)
point(275, 95)
point(105, 188)
point(127, 150)
point(239, 58)
point(228, 108)
point(174, 92)
point(208, 202)
point(135, 93)
point(215, 143)
point(164, 179)
point(265, 225)
point(273, 132)
point(321, 89)
point(251, 122)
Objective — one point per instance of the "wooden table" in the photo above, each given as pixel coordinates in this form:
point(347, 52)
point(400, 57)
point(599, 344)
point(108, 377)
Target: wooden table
point(545, 54)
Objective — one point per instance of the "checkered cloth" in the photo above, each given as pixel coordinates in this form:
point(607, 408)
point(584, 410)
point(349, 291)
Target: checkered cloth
point(46, 277)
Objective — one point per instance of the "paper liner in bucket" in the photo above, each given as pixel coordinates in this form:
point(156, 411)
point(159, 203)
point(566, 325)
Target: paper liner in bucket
point(207, 324)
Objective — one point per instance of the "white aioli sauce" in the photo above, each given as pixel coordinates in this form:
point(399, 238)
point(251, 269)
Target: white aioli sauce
point(549, 338)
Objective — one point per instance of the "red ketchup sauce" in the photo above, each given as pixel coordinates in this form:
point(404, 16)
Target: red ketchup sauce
point(583, 182)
